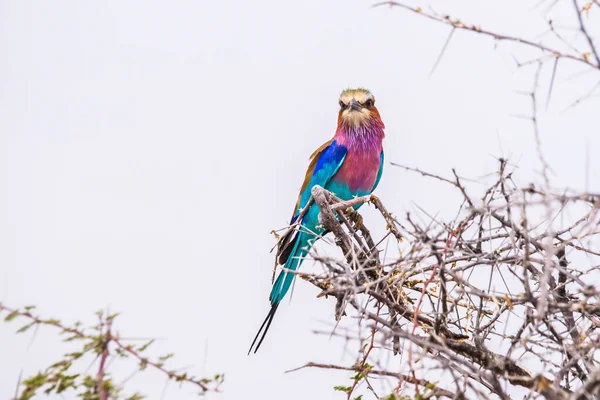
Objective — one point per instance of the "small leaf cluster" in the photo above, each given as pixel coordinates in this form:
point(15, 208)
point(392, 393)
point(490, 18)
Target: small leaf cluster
point(100, 343)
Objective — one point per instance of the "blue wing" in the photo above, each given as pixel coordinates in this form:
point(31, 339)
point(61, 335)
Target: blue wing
point(325, 162)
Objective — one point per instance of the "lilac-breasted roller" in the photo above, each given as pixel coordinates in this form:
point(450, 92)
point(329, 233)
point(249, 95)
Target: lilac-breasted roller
point(348, 165)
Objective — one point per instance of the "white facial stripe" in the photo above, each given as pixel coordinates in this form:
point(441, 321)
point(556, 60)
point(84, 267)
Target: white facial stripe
point(358, 95)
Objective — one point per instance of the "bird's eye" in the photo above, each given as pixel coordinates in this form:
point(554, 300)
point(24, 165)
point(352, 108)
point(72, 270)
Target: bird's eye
point(369, 103)
point(342, 105)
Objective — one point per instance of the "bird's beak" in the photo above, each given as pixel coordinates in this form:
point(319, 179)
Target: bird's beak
point(354, 105)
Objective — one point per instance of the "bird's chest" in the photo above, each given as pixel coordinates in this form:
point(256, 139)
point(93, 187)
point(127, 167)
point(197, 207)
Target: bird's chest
point(357, 175)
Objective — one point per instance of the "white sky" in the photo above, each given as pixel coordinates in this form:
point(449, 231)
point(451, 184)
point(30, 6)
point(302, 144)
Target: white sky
point(147, 149)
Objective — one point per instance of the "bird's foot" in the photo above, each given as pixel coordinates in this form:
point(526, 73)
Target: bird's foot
point(356, 218)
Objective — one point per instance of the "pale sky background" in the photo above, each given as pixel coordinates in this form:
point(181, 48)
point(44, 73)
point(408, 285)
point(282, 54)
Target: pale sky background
point(148, 148)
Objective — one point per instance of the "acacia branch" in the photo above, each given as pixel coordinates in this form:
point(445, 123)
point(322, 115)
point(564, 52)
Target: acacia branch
point(458, 24)
point(456, 322)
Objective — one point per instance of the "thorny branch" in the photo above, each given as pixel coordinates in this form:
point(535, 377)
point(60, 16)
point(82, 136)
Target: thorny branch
point(466, 295)
point(455, 23)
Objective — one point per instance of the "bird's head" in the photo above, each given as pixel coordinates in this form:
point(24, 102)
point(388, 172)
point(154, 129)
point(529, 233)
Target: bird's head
point(357, 108)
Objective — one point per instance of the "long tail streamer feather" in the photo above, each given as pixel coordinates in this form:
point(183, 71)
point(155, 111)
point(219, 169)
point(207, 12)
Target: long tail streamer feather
point(266, 322)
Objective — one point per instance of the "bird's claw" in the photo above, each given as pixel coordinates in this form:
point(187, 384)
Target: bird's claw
point(355, 217)
point(358, 221)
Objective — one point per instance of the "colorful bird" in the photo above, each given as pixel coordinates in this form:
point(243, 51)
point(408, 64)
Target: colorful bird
point(348, 165)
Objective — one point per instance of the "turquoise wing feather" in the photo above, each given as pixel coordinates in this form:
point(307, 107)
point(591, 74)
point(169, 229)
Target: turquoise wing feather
point(379, 172)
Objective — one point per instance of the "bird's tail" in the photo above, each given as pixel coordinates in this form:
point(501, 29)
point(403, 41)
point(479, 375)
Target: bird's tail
point(284, 280)
point(299, 248)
